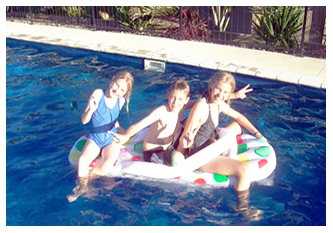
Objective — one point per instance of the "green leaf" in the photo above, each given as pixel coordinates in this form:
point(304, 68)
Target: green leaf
point(278, 25)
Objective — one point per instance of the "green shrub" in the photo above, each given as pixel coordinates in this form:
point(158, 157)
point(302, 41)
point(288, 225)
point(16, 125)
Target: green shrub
point(278, 25)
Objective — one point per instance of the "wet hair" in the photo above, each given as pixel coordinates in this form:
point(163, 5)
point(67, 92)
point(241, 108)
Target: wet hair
point(225, 77)
point(128, 77)
point(180, 84)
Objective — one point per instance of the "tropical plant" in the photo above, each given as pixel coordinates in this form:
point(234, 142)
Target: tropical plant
point(278, 25)
point(140, 17)
point(73, 11)
point(221, 16)
point(192, 27)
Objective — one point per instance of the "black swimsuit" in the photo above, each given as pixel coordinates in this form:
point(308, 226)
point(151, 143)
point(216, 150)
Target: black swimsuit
point(205, 135)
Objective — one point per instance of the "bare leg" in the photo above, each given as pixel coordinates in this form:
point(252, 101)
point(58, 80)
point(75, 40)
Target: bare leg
point(177, 158)
point(227, 166)
point(244, 208)
point(230, 167)
point(110, 155)
point(89, 153)
point(79, 189)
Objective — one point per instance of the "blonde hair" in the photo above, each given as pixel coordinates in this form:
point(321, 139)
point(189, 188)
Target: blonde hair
point(225, 77)
point(129, 79)
point(180, 84)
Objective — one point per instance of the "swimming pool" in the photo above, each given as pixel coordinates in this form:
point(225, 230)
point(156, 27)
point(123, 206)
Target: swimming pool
point(44, 82)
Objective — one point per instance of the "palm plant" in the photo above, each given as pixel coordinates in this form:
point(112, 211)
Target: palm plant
point(278, 25)
point(221, 16)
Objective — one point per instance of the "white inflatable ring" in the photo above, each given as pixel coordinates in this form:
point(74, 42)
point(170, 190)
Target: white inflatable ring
point(256, 153)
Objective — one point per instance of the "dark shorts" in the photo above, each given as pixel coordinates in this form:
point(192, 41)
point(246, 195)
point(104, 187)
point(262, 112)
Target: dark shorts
point(158, 156)
point(164, 156)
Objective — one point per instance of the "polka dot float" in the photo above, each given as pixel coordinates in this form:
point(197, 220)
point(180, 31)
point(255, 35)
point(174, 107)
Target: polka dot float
point(128, 142)
point(260, 140)
point(75, 155)
point(115, 163)
point(200, 181)
point(93, 163)
point(239, 139)
point(80, 144)
point(138, 147)
point(198, 172)
point(262, 163)
point(258, 154)
point(136, 158)
point(244, 158)
point(263, 151)
point(242, 148)
point(220, 178)
point(123, 150)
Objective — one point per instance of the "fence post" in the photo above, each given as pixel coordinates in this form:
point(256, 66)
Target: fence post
point(181, 23)
point(30, 12)
point(93, 17)
point(303, 32)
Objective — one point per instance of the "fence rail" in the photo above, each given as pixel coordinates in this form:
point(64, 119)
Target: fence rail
point(229, 25)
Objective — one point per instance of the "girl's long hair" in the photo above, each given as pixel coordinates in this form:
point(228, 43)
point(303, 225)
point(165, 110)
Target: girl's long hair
point(128, 77)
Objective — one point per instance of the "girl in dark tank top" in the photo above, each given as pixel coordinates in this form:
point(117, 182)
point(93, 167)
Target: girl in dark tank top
point(206, 133)
point(199, 133)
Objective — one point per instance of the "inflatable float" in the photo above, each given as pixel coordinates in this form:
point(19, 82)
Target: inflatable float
point(256, 153)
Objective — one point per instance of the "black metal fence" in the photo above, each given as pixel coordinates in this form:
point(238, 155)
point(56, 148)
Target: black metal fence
point(230, 25)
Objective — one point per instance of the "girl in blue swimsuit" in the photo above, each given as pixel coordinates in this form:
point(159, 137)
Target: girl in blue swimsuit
point(102, 111)
point(199, 132)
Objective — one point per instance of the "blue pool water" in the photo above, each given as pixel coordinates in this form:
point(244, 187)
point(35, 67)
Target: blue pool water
point(43, 82)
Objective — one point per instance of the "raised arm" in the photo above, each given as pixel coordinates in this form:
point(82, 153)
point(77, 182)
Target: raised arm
point(241, 119)
point(241, 94)
point(91, 106)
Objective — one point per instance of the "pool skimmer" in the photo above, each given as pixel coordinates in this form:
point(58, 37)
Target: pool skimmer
point(154, 65)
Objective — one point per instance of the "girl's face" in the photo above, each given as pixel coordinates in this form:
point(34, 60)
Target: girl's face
point(220, 91)
point(118, 88)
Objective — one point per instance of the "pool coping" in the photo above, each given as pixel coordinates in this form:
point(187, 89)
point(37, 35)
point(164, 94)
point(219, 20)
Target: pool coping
point(269, 65)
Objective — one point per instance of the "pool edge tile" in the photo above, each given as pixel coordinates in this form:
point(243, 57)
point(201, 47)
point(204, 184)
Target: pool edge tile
point(267, 74)
point(311, 81)
point(228, 67)
point(289, 77)
point(247, 71)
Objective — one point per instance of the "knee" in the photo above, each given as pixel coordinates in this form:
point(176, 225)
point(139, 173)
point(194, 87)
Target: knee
point(243, 170)
point(177, 159)
point(105, 167)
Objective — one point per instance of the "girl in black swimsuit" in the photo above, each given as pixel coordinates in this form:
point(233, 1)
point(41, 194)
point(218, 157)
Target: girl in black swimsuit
point(200, 130)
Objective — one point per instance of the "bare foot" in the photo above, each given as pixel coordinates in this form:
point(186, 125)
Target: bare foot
point(244, 208)
point(80, 189)
point(250, 212)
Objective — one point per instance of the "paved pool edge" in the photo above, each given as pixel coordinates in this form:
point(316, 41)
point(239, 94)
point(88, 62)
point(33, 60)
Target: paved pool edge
point(287, 68)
